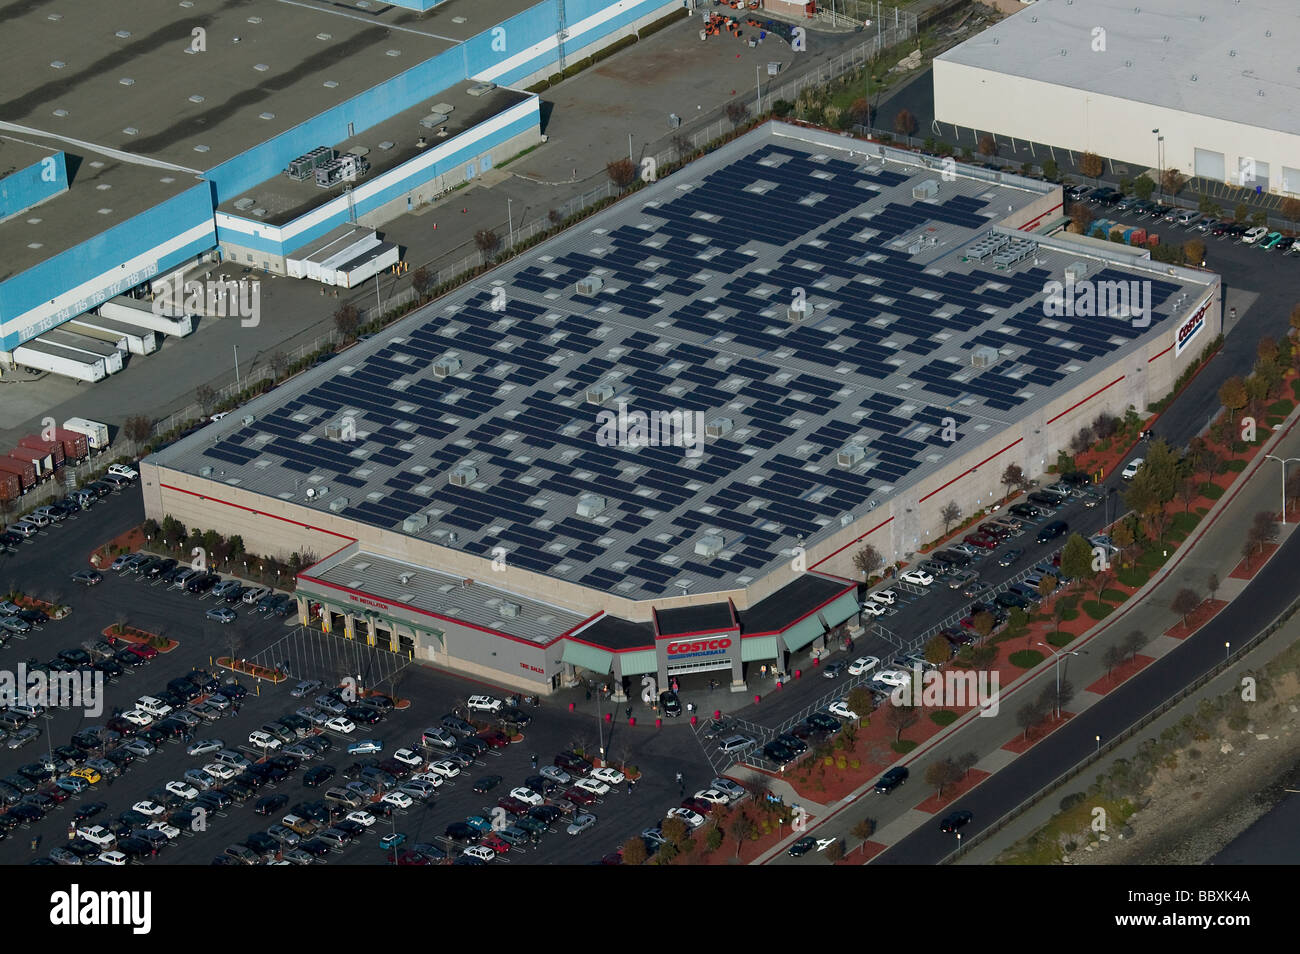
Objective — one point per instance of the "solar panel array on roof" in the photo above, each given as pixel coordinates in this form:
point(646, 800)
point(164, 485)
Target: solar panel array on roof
point(693, 314)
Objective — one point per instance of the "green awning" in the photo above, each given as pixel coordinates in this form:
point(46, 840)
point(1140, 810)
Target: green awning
point(638, 663)
point(843, 608)
point(588, 657)
point(802, 633)
point(758, 648)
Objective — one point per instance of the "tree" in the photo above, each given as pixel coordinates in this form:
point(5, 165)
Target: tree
point(867, 561)
point(988, 146)
point(675, 831)
point(950, 514)
point(1188, 491)
point(1290, 210)
point(1051, 171)
point(860, 700)
point(1011, 477)
point(1212, 584)
point(863, 831)
point(1143, 186)
point(835, 851)
point(1090, 165)
point(742, 827)
point(422, 281)
point(983, 622)
point(737, 113)
point(1185, 603)
point(1076, 558)
point(487, 241)
point(940, 774)
point(137, 428)
point(713, 840)
point(634, 851)
point(1028, 716)
point(1262, 531)
point(905, 123)
point(1112, 657)
point(1241, 212)
point(1122, 536)
point(1047, 585)
point(1172, 181)
point(1101, 580)
point(860, 112)
point(1017, 622)
point(206, 396)
point(1080, 217)
point(901, 718)
point(1133, 642)
point(346, 320)
point(938, 651)
point(621, 172)
point(1194, 251)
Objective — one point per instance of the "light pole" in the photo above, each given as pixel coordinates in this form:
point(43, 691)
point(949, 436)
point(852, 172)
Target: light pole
point(1058, 655)
point(1098, 745)
point(1160, 171)
point(1227, 651)
point(237, 367)
point(1283, 462)
point(510, 216)
point(600, 727)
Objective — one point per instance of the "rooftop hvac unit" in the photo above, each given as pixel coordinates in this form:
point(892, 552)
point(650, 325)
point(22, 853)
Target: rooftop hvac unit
point(415, 523)
point(334, 432)
point(850, 455)
point(406, 578)
point(446, 366)
point(591, 505)
point(482, 89)
point(433, 120)
point(509, 610)
point(928, 189)
point(248, 420)
point(599, 394)
point(708, 546)
point(1075, 271)
point(590, 285)
point(464, 475)
point(338, 504)
point(205, 471)
point(796, 314)
point(244, 204)
point(447, 108)
point(983, 357)
point(719, 427)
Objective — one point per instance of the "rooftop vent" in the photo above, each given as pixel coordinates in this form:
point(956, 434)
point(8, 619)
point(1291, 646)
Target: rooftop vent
point(509, 610)
point(482, 89)
point(796, 314)
point(463, 475)
point(248, 420)
point(406, 578)
point(719, 427)
point(850, 455)
point(338, 504)
point(599, 393)
point(205, 471)
point(415, 523)
point(1075, 271)
point(590, 285)
point(983, 357)
point(928, 189)
point(709, 546)
point(446, 366)
point(591, 505)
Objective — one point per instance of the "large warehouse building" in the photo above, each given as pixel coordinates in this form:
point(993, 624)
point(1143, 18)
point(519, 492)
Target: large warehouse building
point(861, 337)
point(141, 139)
point(1208, 87)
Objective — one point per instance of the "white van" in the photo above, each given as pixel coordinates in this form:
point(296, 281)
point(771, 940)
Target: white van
point(1188, 217)
point(155, 707)
point(735, 743)
point(263, 740)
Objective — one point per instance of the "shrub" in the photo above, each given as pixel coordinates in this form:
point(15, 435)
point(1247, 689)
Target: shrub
point(943, 717)
point(1025, 658)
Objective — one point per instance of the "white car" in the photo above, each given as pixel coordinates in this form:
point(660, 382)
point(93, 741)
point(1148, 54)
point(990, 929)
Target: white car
point(892, 677)
point(147, 807)
point(484, 704)
point(445, 768)
point(874, 609)
point(481, 852)
point(97, 835)
point(409, 757)
point(400, 799)
point(593, 785)
point(361, 818)
point(171, 831)
point(555, 774)
point(863, 664)
point(713, 795)
point(917, 578)
point(527, 795)
point(1254, 235)
point(1132, 467)
point(220, 771)
point(155, 707)
point(205, 747)
point(183, 789)
point(694, 819)
point(263, 740)
point(138, 717)
point(611, 775)
point(340, 724)
point(121, 470)
point(112, 858)
point(887, 597)
point(430, 777)
point(840, 708)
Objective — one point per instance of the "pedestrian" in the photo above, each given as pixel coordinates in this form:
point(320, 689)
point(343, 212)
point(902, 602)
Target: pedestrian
point(589, 693)
point(629, 712)
point(36, 843)
point(534, 761)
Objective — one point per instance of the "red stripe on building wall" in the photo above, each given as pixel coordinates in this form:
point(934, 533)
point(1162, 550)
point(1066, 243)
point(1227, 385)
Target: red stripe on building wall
point(849, 544)
point(974, 468)
point(1086, 400)
point(1032, 223)
point(258, 513)
point(1161, 354)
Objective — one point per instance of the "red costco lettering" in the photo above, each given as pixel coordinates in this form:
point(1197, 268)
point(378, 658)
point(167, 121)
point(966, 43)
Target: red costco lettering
point(687, 649)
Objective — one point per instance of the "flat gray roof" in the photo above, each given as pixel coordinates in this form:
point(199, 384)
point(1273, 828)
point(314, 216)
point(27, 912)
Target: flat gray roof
point(1230, 61)
point(286, 199)
point(698, 272)
point(425, 589)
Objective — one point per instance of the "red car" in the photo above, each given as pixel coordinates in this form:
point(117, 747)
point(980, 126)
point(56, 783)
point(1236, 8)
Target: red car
point(144, 652)
point(410, 857)
point(513, 805)
point(56, 793)
point(495, 738)
point(980, 540)
point(579, 796)
point(698, 805)
point(496, 843)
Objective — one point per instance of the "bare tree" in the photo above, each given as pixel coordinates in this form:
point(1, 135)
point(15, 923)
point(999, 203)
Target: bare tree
point(1185, 603)
point(279, 362)
point(737, 112)
point(988, 146)
point(867, 561)
point(1133, 642)
point(1212, 584)
point(422, 281)
point(346, 320)
point(901, 718)
point(950, 514)
point(488, 241)
point(905, 123)
point(206, 396)
point(137, 429)
point(1028, 716)
point(621, 172)
point(1112, 657)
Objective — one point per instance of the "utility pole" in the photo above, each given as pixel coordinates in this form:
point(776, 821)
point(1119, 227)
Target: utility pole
point(237, 387)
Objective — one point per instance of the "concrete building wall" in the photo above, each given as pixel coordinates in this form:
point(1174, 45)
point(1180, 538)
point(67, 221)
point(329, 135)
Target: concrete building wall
point(1120, 129)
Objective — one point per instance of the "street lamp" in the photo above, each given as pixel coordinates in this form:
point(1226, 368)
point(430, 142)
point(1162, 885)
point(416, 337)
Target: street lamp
point(1283, 462)
point(1098, 745)
point(1058, 655)
point(510, 216)
point(1110, 492)
point(1227, 651)
point(1160, 171)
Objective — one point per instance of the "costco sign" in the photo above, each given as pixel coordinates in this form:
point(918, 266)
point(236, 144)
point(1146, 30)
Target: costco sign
point(702, 647)
point(1191, 328)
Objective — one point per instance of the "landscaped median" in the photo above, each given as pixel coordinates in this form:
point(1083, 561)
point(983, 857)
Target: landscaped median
point(140, 637)
point(251, 669)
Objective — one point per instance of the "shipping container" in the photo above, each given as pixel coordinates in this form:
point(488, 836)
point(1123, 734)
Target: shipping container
point(53, 448)
point(29, 461)
point(41, 459)
point(1153, 240)
point(96, 433)
point(11, 487)
point(42, 356)
point(1139, 237)
point(25, 472)
point(76, 447)
point(141, 315)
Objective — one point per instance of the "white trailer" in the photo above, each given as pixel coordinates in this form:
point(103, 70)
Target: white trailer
point(92, 346)
point(96, 433)
point(140, 314)
point(124, 337)
point(344, 257)
point(40, 356)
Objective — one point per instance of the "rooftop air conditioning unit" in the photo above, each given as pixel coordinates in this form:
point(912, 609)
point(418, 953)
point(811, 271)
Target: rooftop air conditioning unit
point(983, 357)
point(248, 420)
point(926, 190)
point(205, 471)
point(591, 505)
point(1075, 271)
point(406, 578)
point(850, 455)
point(509, 610)
point(338, 504)
point(709, 546)
point(590, 285)
point(415, 523)
point(719, 427)
point(446, 366)
point(599, 394)
point(796, 314)
point(464, 475)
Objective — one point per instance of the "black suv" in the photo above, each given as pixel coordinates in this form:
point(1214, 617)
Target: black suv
point(1053, 530)
point(318, 776)
point(891, 780)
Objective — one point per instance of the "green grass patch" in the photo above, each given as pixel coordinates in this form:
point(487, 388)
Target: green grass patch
point(1184, 523)
point(518, 155)
point(1213, 491)
point(943, 717)
point(1236, 466)
point(1282, 407)
point(1026, 658)
point(1058, 638)
point(1114, 596)
point(1069, 606)
point(1043, 847)
point(902, 748)
point(1097, 611)
point(1134, 576)
point(1153, 558)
